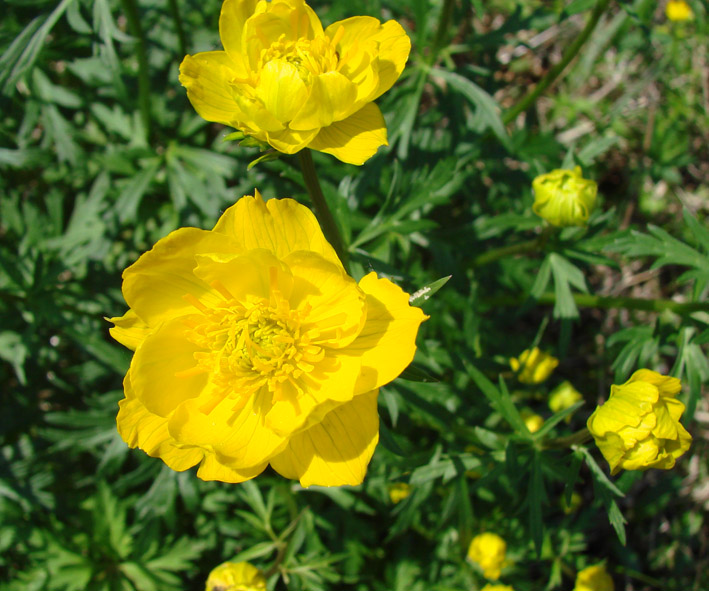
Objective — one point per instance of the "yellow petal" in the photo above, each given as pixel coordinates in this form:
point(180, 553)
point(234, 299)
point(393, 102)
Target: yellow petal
point(155, 285)
point(356, 139)
point(337, 305)
point(232, 20)
point(281, 226)
point(213, 469)
point(140, 428)
point(668, 386)
point(291, 141)
point(159, 365)
point(237, 434)
point(281, 89)
point(337, 450)
point(206, 76)
point(129, 330)
point(387, 343)
point(332, 97)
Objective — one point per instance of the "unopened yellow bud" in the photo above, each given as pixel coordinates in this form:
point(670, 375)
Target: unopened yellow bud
point(236, 576)
point(398, 491)
point(594, 578)
point(488, 551)
point(564, 197)
point(533, 421)
point(533, 366)
point(678, 10)
point(564, 396)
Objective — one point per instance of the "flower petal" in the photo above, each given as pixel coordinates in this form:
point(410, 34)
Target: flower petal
point(212, 469)
point(232, 20)
point(207, 76)
point(332, 97)
point(129, 330)
point(387, 343)
point(337, 450)
point(155, 285)
point(356, 139)
point(161, 368)
point(281, 90)
point(394, 49)
point(279, 225)
point(140, 428)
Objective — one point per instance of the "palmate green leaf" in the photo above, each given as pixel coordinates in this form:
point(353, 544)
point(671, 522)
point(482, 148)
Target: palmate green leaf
point(640, 348)
point(130, 197)
point(566, 275)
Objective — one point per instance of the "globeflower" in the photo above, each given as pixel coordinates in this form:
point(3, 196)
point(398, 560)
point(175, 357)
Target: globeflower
point(254, 347)
point(533, 366)
point(564, 197)
point(594, 578)
point(488, 550)
point(564, 396)
point(532, 420)
point(285, 81)
point(490, 587)
point(638, 427)
point(236, 576)
point(678, 10)
point(398, 491)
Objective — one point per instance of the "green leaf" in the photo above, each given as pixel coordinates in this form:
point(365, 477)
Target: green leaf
point(414, 373)
point(427, 291)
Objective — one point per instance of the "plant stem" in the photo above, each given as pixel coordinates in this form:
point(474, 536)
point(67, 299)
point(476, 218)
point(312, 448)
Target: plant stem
point(442, 29)
point(585, 300)
point(325, 217)
point(578, 438)
point(534, 245)
point(130, 7)
point(555, 71)
point(181, 37)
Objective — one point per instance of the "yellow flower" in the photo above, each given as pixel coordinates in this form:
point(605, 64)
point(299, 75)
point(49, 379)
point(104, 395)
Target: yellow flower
point(564, 197)
point(490, 587)
point(678, 10)
point(398, 491)
point(594, 578)
point(638, 427)
point(533, 421)
point(488, 550)
point(563, 397)
point(285, 81)
point(533, 366)
point(253, 346)
point(236, 576)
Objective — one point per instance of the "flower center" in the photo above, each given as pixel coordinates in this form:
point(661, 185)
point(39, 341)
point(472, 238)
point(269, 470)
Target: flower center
point(254, 342)
point(311, 57)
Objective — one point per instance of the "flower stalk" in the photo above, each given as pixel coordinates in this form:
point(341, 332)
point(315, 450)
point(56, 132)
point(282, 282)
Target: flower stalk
point(554, 72)
point(322, 210)
point(130, 7)
point(177, 17)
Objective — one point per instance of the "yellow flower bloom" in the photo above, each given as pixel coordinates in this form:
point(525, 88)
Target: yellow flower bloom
point(398, 491)
point(594, 578)
point(253, 346)
point(533, 421)
point(564, 197)
point(236, 576)
point(490, 587)
point(678, 10)
point(533, 366)
point(563, 397)
point(285, 81)
point(638, 427)
point(488, 550)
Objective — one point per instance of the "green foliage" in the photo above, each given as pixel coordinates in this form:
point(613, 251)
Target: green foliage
point(101, 155)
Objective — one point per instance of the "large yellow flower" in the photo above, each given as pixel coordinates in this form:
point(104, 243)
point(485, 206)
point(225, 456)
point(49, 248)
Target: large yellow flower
point(284, 80)
point(236, 576)
point(638, 427)
point(253, 346)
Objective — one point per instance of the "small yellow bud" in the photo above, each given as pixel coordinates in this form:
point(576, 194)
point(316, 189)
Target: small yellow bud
point(594, 578)
point(488, 551)
point(398, 491)
point(573, 505)
point(564, 197)
point(490, 587)
point(236, 576)
point(678, 10)
point(533, 421)
point(638, 427)
point(533, 366)
point(564, 396)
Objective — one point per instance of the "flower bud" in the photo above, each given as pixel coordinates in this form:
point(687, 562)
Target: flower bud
point(594, 578)
point(236, 576)
point(490, 587)
point(564, 197)
point(533, 366)
point(488, 551)
point(564, 396)
point(532, 420)
point(638, 427)
point(398, 491)
point(678, 10)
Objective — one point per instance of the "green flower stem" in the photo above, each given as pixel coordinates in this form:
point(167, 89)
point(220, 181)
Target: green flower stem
point(578, 438)
point(522, 248)
point(555, 71)
point(181, 37)
point(442, 29)
point(325, 217)
point(130, 7)
point(585, 300)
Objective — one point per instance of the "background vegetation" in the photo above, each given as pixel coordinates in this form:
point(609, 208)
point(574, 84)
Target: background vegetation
point(101, 155)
